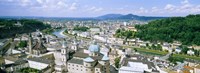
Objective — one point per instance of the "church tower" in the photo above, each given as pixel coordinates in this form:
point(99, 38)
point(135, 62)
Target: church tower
point(30, 43)
point(64, 52)
point(75, 46)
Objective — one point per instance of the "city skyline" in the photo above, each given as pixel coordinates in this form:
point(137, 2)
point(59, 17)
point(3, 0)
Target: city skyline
point(94, 8)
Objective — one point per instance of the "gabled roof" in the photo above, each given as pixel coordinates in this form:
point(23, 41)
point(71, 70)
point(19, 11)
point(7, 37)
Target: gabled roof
point(41, 60)
point(88, 59)
point(105, 58)
point(38, 46)
point(80, 55)
point(76, 61)
point(94, 48)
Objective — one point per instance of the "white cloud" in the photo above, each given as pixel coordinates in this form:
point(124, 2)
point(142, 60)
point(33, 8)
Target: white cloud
point(185, 7)
point(170, 7)
point(98, 9)
point(25, 2)
point(95, 9)
point(40, 1)
point(73, 6)
point(154, 9)
point(185, 2)
point(142, 10)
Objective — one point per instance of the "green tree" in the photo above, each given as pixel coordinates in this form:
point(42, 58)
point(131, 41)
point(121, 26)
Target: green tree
point(22, 44)
point(80, 28)
point(117, 60)
point(183, 29)
point(175, 59)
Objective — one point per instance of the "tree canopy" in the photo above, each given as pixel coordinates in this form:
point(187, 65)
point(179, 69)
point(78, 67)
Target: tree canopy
point(126, 34)
point(22, 44)
point(80, 28)
point(9, 29)
point(183, 29)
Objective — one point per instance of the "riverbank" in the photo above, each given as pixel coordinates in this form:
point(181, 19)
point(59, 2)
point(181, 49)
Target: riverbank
point(60, 33)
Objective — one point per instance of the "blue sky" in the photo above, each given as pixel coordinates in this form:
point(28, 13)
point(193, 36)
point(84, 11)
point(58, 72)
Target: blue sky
point(93, 8)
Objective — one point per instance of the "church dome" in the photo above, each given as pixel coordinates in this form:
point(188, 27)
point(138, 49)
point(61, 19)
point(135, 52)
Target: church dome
point(94, 48)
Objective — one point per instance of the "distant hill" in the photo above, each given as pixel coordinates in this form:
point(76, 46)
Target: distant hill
point(128, 17)
point(183, 29)
point(12, 27)
point(110, 16)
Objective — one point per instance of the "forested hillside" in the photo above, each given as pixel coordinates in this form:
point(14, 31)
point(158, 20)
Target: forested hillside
point(183, 29)
point(9, 27)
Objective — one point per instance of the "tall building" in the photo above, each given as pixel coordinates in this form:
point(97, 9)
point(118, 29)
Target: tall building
point(93, 62)
point(38, 48)
point(61, 58)
point(74, 46)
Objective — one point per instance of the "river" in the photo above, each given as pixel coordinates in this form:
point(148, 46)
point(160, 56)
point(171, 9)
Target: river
point(59, 33)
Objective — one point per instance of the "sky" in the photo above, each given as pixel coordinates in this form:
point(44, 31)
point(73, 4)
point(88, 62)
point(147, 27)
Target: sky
point(94, 8)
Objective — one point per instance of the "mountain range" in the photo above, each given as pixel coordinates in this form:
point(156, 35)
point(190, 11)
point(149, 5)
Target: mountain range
point(128, 17)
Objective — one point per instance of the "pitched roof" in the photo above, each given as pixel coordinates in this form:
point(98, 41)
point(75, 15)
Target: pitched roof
point(80, 55)
point(88, 59)
point(105, 58)
point(76, 61)
point(38, 46)
point(94, 48)
point(37, 59)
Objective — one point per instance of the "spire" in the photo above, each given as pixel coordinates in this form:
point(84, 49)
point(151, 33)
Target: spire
point(64, 44)
point(30, 43)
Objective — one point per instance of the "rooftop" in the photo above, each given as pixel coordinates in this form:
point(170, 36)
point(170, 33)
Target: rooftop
point(105, 58)
point(76, 61)
point(37, 59)
point(88, 59)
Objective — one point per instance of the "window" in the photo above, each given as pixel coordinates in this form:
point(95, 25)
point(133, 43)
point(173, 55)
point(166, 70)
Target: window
point(68, 64)
point(72, 68)
point(76, 69)
point(81, 66)
point(85, 69)
point(96, 69)
point(76, 65)
point(91, 69)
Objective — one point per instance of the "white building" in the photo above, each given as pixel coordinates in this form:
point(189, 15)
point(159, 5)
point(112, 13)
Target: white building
point(95, 30)
point(167, 47)
point(178, 50)
point(137, 64)
point(134, 67)
point(190, 52)
point(91, 62)
point(83, 34)
point(39, 63)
